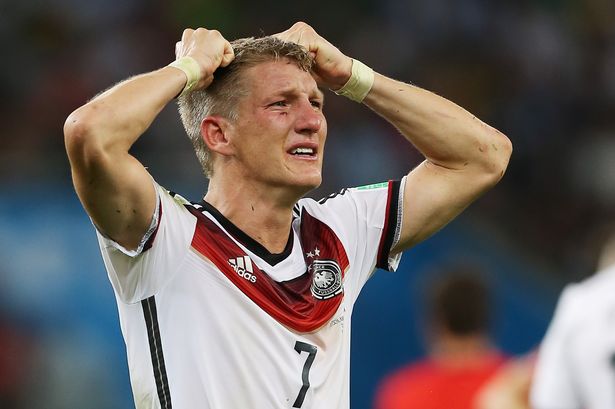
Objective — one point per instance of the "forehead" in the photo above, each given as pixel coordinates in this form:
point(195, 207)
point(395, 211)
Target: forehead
point(277, 76)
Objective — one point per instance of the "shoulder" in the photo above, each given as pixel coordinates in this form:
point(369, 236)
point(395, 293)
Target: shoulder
point(169, 195)
point(600, 283)
point(351, 198)
point(176, 214)
point(593, 292)
point(334, 209)
point(173, 201)
point(580, 302)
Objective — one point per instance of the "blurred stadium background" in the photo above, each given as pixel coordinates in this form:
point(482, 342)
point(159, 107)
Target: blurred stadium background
point(542, 71)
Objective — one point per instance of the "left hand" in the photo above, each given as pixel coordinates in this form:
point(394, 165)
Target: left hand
point(332, 68)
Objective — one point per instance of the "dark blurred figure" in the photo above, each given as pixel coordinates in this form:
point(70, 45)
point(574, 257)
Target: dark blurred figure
point(461, 357)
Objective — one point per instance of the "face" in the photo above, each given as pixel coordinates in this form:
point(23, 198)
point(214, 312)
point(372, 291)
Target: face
point(280, 133)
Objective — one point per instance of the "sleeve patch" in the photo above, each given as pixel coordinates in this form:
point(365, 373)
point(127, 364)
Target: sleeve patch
point(373, 186)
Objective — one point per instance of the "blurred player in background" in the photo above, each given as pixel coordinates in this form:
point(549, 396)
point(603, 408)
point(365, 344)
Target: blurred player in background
point(461, 356)
point(509, 388)
point(576, 360)
point(244, 299)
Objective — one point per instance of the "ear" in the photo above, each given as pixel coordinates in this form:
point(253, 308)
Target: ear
point(215, 131)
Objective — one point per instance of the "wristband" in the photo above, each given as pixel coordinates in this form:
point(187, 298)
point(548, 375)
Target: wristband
point(192, 70)
point(360, 82)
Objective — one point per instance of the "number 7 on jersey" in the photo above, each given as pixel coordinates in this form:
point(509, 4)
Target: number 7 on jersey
point(305, 374)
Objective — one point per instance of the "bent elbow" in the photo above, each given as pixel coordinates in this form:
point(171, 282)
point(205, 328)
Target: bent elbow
point(501, 151)
point(76, 130)
point(82, 144)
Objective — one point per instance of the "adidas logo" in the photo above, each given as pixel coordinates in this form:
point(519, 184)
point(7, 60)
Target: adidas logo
point(243, 267)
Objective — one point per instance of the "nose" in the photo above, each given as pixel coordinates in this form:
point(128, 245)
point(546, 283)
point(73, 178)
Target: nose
point(309, 119)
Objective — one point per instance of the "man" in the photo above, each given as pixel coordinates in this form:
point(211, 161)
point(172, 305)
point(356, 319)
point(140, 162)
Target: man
point(244, 300)
point(575, 368)
point(461, 357)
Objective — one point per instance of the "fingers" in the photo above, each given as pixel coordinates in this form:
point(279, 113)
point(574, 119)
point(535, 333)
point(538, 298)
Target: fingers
point(187, 34)
point(181, 47)
point(331, 67)
point(228, 54)
point(204, 41)
point(300, 33)
point(208, 48)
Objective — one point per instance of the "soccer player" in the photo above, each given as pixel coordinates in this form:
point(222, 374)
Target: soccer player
point(462, 358)
point(575, 368)
point(244, 299)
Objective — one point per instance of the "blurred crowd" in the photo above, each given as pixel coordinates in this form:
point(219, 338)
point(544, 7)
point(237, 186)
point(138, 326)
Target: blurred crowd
point(541, 71)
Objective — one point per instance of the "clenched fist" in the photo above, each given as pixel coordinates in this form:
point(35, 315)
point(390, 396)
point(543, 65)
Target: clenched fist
point(332, 68)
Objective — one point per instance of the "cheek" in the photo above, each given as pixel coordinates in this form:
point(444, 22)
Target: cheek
point(273, 123)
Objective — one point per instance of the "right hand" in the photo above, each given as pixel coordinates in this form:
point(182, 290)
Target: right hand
point(332, 68)
point(210, 50)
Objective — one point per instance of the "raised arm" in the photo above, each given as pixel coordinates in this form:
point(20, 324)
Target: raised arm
point(114, 187)
point(464, 157)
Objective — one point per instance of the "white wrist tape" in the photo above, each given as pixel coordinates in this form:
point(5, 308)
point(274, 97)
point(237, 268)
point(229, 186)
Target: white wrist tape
point(360, 82)
point(192, 70)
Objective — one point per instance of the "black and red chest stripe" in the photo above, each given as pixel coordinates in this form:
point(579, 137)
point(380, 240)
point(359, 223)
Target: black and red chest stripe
point(292, 303)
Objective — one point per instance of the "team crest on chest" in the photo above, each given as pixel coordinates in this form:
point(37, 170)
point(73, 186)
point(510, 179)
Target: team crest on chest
point(304, 303)
point(326, 279)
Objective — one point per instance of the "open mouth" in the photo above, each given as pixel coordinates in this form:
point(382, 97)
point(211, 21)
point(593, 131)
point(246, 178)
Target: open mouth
point(305, 152)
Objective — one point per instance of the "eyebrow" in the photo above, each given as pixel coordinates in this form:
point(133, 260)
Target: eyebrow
point(287, 92)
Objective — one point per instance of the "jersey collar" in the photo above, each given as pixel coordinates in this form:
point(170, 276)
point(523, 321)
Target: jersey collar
point(247, 241)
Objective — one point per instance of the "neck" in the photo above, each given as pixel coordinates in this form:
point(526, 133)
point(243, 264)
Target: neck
point(452, 350)
point(264, 214)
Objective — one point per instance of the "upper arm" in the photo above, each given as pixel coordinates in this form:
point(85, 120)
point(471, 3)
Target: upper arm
point(115, 189)
point(433, 196)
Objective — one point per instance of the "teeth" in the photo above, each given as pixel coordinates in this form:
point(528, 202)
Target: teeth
point(299, 151)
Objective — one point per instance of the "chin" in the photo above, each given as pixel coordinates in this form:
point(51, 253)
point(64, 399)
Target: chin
point(307, 184)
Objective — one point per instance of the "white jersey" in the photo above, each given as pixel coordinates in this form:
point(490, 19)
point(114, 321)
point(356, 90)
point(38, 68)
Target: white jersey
point(576, 361)
point(211, 319)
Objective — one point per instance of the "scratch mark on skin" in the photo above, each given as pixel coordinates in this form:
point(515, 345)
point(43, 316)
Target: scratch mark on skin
point(466, 164)
point(118, 211)
point(252, 206)
point(494, 147)
point(480, 148)
point(134, 211)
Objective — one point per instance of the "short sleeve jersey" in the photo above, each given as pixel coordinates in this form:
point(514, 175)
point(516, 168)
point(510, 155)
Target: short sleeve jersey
point(211, 319)
point(576, 361)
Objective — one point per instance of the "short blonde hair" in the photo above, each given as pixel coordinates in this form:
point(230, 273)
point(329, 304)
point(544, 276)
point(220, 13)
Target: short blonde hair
point(222, 95)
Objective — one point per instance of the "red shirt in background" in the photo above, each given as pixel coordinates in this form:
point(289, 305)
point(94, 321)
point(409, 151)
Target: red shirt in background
point(430, 384)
